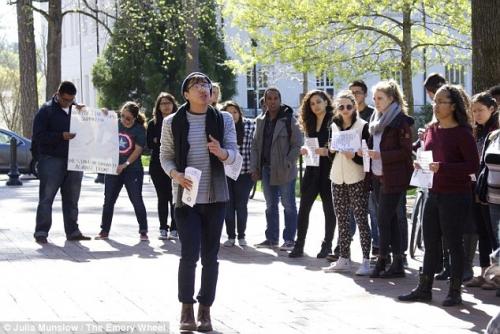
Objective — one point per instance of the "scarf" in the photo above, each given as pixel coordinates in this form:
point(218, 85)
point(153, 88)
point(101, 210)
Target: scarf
point(379, 121)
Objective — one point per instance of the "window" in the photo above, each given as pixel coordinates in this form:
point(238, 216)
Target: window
point(262, 84)
point(394, 75)
point(324, 82)
point(455, 74)
point(4, 139)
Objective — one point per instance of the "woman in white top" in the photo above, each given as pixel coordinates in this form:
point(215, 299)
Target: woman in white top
point(348, 185)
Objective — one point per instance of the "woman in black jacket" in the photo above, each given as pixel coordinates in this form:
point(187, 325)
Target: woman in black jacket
point(164, 106)
point(316, 113)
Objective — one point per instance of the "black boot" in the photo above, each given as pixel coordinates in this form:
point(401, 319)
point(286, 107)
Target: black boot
point(326, 249)
point(396, 269)
point(423, 291)
point(445, 273)
point(454, 293)
point(470, 245)
point(297, 251)
point(379, 267)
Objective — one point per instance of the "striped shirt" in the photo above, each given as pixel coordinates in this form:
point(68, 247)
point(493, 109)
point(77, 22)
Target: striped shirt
point(198, 154)
point(492, 161)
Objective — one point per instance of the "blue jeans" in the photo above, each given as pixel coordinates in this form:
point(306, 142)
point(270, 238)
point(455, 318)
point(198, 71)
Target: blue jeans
point(239, 191)
point(53, 175)
point(272, 195)
point(132, 179)
point(199, 228)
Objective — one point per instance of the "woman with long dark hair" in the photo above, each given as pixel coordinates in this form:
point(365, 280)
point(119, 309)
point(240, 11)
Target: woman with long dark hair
point(130, 172)
point(239, 189)
point(391, 153)
point(316, 113)
point(349, 186)
point(455, 157)
point(165, 105)
point(485, 117)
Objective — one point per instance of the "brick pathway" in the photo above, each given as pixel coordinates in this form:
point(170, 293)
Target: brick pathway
point(259, 291)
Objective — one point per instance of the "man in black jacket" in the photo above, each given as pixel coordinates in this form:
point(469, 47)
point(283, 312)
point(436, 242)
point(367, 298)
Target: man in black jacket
point(51, 134)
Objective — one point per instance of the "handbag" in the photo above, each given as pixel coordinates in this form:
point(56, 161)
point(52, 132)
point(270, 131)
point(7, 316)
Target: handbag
point(482, 185)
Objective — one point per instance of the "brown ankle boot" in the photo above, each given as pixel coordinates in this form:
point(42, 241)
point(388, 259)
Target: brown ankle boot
point(204, 321)
point(187, 318)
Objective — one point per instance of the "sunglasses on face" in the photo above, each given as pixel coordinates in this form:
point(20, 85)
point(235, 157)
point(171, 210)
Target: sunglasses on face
point(347, 107)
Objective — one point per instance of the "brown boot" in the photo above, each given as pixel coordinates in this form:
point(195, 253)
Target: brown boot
point(187, 318)
point(204, 321)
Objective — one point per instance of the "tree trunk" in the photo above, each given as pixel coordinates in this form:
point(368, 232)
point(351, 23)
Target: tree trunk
point(54, 41)
point(191, 32)
point(485, 44)
point(27, 65)
point(406, 70)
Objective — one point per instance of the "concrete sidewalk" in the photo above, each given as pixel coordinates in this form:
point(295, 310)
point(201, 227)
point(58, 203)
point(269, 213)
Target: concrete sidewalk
point(259, 291)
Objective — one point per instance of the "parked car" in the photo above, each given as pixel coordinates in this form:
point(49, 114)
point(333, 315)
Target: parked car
point(25, 161)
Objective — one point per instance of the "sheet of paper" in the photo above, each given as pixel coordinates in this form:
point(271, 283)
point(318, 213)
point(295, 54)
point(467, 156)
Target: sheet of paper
point(424, 158)
point(95, 147)
point(233, 170)
point(311, 158)
point(366, 157)
point(189, 196)
point(345, 141)
point(422, 178)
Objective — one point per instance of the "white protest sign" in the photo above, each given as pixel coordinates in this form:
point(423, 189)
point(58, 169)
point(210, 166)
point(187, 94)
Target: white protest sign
point(95, 146)
point(233, 170)
point(189, 196)
point(311, 158)
point(366, 157)
point(345, 141)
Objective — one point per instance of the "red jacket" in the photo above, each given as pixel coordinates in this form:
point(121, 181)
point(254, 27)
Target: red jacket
point(396, 153)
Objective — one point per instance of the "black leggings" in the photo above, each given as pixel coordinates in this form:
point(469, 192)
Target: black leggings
point(444, 217)
point(387, 218)
point(487, 240)
point(163, 186)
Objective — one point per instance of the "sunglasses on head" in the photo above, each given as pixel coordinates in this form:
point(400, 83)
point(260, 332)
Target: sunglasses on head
point(347, 106)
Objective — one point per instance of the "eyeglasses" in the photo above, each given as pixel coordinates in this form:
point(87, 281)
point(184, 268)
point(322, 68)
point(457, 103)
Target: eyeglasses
point(164, 103)
point(358, 93)
point(201, 85)
point(347, 106)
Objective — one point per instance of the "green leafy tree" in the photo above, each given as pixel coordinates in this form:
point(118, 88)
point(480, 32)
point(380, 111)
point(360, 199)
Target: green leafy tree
point(351, 38)
point(147, 52)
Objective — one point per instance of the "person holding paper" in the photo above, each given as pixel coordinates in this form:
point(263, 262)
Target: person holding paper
point(349, 186)
point(164, 106)
point(51, 138)
point(446, 209)
point(130, 173)
point(239, 190)
point(316, 113)
point(390, 146)
point(201, 137)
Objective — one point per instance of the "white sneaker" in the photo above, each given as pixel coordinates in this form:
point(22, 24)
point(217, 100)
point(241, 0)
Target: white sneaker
point(163, 235)
point(229, 243)
point(173, 235)
point(364, 268)
point(342, 264)
point(242, 242)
